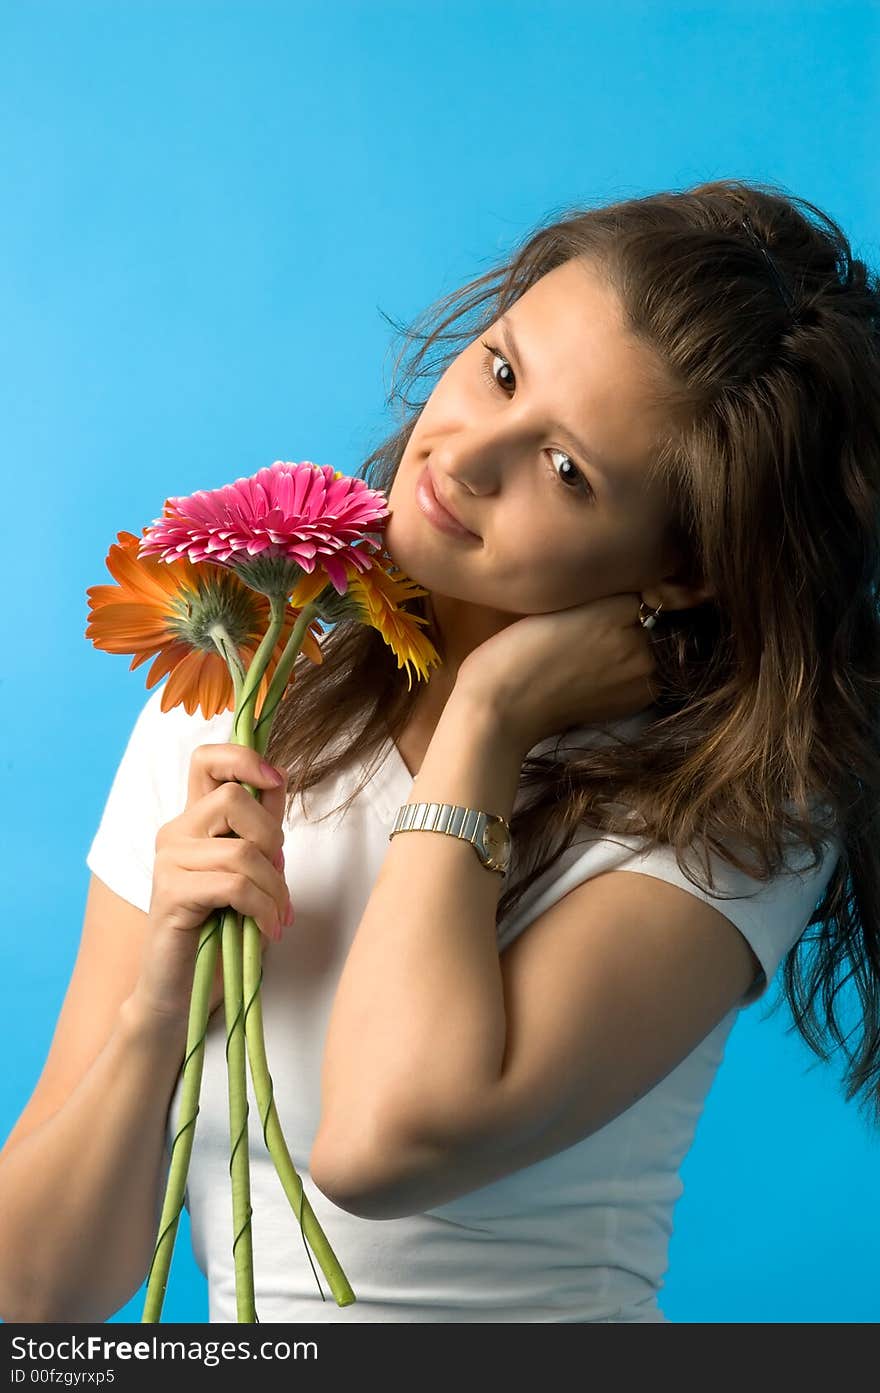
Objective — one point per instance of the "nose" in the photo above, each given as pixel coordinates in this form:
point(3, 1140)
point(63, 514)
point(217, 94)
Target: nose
point(470, 461)
point(486, 449)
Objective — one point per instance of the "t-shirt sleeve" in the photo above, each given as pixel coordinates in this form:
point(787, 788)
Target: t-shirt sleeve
point(770, 914)
point(149, 788)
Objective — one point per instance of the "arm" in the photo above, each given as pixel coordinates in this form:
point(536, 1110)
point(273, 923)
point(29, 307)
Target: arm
point(418, 1018)
point(80, 1193)
point(446, 1067)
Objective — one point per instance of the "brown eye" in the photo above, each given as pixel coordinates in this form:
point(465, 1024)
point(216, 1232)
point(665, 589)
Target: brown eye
point(488, 374)
point(575, 480)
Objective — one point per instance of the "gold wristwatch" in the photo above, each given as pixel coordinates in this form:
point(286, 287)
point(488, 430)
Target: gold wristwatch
point(488, 833)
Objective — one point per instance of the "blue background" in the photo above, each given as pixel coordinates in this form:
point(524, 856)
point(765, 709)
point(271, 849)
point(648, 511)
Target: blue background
point(206, 206)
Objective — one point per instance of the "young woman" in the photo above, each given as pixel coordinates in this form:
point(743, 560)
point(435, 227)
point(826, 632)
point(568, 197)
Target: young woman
point(666, 409)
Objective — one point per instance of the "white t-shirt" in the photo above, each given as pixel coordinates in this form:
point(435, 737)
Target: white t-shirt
point(579, 1236)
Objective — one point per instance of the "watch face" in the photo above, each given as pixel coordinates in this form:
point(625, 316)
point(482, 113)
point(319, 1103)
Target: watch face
point(496, 844)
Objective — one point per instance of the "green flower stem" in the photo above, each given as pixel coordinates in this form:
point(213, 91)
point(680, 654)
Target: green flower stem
point(256, 736)
point(272, 1133)
point(253, 976)
point(245, 685)
point(199, 1010)
point(247, 731)
point(181, 1148)
point(282, 672)
point(239, 1160)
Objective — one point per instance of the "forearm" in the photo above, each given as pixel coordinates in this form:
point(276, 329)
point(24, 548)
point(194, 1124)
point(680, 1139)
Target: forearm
point(80, 1195)
point(418, 1021)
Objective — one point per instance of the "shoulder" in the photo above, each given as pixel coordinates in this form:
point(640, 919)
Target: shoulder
point(610, 988)
point(159, 746)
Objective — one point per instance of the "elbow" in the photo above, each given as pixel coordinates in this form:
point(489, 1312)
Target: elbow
point(354, 1199)
point(350, 1178)
point(375, 1177)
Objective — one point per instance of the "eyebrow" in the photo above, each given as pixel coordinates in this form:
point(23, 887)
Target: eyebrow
point(605, 467)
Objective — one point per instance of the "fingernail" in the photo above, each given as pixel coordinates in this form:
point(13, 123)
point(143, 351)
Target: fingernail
point(278, 860)
point(271, 773)
point(288, 922)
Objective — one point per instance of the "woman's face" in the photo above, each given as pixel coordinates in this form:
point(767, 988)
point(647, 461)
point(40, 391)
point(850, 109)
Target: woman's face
point(541, 450)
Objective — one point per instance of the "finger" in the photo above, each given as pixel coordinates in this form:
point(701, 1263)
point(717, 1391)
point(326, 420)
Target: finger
point(230, 811)
point(230, 872)
point(217, 766)
point(212, 765)
point(273, 803)
point(622, 607)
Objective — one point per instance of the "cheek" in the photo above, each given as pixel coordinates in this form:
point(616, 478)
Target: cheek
point(532, 576)
point(555, 573)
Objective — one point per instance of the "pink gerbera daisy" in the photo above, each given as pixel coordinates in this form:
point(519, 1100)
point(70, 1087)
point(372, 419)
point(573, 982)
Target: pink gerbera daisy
point(285, 521)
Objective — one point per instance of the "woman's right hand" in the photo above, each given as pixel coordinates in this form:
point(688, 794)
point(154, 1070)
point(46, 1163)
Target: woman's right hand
point(200, 867)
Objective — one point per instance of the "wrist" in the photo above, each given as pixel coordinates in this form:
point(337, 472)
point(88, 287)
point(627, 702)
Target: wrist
point(144, 1024)
point(470, 760)
point(487, 712)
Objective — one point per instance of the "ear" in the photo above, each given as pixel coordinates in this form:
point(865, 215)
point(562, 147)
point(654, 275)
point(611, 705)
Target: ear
point(680, 584)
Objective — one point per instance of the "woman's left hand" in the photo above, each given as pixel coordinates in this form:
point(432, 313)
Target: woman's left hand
point(546, 673)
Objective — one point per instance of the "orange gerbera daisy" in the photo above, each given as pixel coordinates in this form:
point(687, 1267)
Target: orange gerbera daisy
point(374, 597)
point(166, 610)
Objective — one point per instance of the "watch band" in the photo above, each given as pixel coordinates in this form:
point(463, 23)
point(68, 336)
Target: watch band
point(488, 833)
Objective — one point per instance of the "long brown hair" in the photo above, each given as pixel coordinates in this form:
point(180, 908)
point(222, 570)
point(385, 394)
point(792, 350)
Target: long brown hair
point(765, 725)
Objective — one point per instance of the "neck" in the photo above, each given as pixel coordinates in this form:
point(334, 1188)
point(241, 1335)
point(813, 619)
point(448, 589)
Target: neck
point(463, 627)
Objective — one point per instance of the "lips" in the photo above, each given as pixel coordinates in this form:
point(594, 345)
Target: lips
point(441, 501)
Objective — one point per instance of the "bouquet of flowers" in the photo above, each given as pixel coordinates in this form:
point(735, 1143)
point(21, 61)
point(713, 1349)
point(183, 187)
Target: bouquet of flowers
point(223, 591)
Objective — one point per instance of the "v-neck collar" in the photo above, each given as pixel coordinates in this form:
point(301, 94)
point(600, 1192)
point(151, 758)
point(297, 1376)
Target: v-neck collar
point(391, 782)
